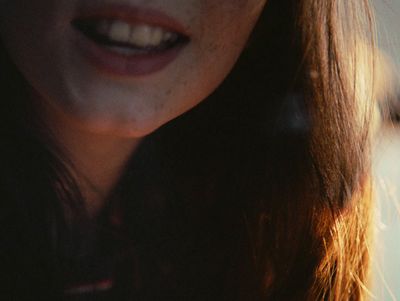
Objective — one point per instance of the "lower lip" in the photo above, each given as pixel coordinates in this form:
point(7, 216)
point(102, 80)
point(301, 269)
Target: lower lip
point(112, 63)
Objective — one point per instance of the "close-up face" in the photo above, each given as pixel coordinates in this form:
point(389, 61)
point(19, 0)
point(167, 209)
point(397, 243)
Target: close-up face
point(125, 66)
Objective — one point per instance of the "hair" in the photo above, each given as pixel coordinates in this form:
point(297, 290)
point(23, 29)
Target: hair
point(262, 192)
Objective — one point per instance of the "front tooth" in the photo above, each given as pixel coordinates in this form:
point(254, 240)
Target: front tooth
point(119, 31)
point(156, 36)
point(141, 35)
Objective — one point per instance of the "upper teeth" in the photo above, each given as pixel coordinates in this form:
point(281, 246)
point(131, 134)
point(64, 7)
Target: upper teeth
point(138, 35)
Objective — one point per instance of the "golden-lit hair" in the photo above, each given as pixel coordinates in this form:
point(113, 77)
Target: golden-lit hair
point(278, 193)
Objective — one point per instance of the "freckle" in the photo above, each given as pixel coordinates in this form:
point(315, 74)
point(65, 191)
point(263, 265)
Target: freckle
point(169, 92)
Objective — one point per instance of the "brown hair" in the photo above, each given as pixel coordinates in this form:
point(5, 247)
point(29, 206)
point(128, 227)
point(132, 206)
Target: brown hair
point(273, 205)
point(328, 222)
point(344, 105)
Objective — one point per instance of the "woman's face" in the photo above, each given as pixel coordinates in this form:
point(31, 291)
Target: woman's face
point(125, 66)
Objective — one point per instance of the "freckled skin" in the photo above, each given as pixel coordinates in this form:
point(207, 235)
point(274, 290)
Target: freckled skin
point(39, 37)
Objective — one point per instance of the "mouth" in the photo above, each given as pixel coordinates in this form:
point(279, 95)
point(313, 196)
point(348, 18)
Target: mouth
point(124, 38)
point(129, 41)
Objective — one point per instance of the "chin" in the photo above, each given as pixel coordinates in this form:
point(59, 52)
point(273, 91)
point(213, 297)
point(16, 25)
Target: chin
point(127, 127)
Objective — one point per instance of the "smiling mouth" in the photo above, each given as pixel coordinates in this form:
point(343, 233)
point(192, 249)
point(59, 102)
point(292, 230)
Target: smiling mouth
point(129, 39)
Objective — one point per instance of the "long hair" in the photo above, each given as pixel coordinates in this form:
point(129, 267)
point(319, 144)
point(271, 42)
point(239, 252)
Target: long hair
point(260, 193)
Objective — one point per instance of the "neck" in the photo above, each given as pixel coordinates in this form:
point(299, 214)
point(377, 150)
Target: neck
point(98, 163)
point(98, 159)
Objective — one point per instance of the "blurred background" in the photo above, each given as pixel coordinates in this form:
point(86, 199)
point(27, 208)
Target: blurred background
point(386, 160)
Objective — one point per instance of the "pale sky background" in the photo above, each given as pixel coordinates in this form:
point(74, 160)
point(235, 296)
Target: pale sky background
point(387, 170)
point(388, 21)
point(386, 265)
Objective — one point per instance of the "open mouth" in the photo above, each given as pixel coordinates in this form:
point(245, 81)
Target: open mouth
point(129, 39)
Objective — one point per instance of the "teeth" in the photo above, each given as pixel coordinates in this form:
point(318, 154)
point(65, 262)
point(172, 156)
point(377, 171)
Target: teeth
point(139, 35)
point(142, 36)
point(119, 31)
point(157, 36)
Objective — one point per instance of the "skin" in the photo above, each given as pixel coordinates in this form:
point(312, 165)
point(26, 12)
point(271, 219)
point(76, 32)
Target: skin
point(99, 118)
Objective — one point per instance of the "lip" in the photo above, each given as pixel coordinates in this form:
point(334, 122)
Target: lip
point(110, 62)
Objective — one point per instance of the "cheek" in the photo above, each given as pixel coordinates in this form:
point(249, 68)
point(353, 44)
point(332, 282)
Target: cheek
point(222, 40)
point(136, 107)
point(229, 24)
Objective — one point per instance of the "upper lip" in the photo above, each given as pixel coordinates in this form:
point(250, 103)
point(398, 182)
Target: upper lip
point(135, 15)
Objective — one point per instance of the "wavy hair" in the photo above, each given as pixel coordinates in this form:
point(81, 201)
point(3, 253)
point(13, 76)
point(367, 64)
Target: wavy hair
point(262, 192)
